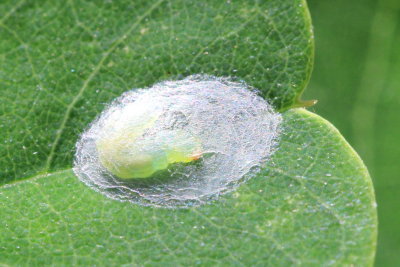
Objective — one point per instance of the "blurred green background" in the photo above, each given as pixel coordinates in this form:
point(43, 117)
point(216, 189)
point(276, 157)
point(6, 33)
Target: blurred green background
point(356, 80)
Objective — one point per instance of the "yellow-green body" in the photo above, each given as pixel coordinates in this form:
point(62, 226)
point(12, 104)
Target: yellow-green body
point(127, 150)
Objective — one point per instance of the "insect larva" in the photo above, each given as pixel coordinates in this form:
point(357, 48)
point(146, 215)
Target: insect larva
point(127, 151)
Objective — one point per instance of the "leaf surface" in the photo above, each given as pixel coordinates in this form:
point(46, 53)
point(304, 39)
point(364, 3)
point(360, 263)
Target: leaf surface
point(357, 83)
point(61, 62)
point(312, 205)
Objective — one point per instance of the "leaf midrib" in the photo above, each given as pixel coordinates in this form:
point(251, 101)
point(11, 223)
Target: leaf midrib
point(34, 177)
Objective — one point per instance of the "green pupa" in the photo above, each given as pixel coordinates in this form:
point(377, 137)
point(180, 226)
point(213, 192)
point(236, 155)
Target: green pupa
point(127, 150)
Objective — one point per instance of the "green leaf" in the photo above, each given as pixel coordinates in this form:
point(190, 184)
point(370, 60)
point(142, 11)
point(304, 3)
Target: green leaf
point(356, 81)
point(60, 62)
point(312, 205)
